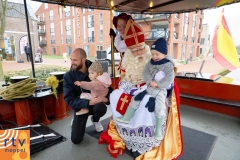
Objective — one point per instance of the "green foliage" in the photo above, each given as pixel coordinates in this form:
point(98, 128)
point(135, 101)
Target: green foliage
point(52, 56)
point(224, 72)
point(40, 72)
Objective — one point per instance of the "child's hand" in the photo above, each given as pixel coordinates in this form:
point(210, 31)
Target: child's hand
point(77, 83)
point(153, 84)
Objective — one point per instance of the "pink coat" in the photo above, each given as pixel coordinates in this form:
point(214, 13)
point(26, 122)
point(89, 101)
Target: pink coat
point(98, 87)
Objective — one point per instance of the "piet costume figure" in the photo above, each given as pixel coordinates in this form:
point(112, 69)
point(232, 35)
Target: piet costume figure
point(139, 134)
point(119, 23)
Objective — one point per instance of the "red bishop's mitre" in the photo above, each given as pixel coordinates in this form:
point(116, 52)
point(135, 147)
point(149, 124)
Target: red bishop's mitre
point(133, 34)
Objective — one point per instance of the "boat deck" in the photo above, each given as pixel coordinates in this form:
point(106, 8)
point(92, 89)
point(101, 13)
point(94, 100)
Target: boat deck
point(226, 128)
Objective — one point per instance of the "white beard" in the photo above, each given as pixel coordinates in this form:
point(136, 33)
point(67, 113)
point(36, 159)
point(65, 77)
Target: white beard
point(134, 66)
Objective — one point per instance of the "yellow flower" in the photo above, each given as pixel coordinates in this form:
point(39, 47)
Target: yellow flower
point(53, 82)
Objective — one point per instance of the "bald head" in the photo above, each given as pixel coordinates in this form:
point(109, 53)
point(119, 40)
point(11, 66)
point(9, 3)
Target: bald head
point(78, 59)
point(80, 52)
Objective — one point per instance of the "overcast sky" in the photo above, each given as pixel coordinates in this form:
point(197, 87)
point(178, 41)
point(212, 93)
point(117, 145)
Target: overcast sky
point(232, 16)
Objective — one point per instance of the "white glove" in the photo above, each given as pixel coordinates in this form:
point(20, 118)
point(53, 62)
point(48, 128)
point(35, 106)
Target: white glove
point(125, 86)
point(144, 87)
point(159, 75)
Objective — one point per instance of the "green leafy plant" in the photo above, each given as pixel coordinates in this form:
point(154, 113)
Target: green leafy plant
point(40, 72)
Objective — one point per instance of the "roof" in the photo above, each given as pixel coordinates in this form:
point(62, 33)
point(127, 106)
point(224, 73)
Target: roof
point(16, 10)
point(145, 6)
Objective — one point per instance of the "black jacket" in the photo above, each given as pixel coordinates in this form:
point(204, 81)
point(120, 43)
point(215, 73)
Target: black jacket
point(72, 92)
point(27, 49)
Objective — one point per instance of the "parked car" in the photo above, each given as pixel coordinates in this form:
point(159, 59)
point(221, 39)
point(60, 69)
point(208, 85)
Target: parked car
point(105, 55)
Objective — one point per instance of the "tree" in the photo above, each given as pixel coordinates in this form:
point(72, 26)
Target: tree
point(238, 49)
point(3, 8)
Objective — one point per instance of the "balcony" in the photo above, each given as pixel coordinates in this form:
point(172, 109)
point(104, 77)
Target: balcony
point(90, 39)
point(176, 15)
point(53, 41)
point(68, 27)
point(41, 32)
point(90, 10)
point(43, 43)
point(51, 18)
point(194, 23)
point(51, 30)
point(193, 39)
point(154, 35)
point(175, 35)
point(90, 24)
point(149, 16)
point(40, 21)
point(68, 40)
point(67, 14)
point(185, 38)
point(161, 15)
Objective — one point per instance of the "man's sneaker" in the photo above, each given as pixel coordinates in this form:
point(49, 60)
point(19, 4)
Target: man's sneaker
point(98, 126)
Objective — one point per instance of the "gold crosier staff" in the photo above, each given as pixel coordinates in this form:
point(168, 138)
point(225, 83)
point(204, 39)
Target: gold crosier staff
point(112, 44)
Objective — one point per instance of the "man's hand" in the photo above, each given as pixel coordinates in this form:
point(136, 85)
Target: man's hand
point(95, 100)
point(77, 83)
point(153, 84)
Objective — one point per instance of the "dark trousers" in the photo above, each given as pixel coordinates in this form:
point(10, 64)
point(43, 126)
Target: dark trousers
point(79, 122)
point(28, 57)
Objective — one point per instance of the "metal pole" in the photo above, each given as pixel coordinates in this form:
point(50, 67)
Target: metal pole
point(112, 50)
point(29, 38)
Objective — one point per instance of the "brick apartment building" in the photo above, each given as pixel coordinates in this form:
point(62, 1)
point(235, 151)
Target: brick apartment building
point(63, 30)
point(183, 32)
point(15, 29)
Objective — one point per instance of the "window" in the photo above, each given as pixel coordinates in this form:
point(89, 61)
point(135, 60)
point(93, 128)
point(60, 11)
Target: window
point(86, 49)
point(73, 11)
point(202, 41)
point(52, 28)
point(69, 50)
point(67, 11)
point(90, 21)
point(90, 10)
point(61, 31)
point(101, 18)
point(101, 35)
point(52, 33)
point(68, 31)
point(45, 5)
point(99, 47)
point(51, 15)
point(53, 50)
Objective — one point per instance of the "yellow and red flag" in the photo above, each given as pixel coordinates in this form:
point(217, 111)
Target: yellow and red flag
point(224, 50)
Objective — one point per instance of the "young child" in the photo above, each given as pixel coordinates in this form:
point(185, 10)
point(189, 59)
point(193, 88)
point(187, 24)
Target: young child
point(98, 86)
point(65, 56)
point(38, 57)
point(158, 75)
